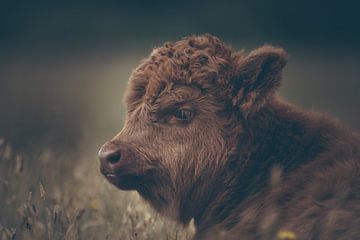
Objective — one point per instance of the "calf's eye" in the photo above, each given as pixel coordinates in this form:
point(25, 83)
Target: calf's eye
point(183, 115)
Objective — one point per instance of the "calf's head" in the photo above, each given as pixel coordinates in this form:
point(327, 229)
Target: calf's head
point(186, 107)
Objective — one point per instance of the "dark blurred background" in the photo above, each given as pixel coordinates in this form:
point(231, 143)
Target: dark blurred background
point(64, 64)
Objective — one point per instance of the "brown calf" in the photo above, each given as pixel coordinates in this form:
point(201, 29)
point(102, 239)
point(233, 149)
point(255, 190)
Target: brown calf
point(205, 138)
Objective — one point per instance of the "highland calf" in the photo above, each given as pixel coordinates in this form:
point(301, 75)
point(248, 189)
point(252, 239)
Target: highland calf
point(206, 138)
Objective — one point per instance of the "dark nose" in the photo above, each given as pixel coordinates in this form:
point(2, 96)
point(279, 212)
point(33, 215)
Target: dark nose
point(110, 153)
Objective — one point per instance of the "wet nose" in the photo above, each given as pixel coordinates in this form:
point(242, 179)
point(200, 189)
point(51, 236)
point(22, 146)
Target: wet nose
point(110, 153)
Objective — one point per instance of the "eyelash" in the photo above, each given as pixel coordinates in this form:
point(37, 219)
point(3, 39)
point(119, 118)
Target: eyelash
point(183, 115)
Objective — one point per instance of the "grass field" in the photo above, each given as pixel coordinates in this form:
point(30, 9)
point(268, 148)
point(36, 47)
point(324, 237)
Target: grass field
point(40, 202)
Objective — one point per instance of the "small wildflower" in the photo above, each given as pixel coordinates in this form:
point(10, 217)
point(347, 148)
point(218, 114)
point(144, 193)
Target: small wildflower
point(95, 204)
point(286, 235)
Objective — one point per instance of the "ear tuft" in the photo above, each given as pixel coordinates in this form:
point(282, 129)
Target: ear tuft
point(256, 77)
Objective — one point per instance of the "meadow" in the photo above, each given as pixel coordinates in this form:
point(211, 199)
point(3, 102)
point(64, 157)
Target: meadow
point(40, 202)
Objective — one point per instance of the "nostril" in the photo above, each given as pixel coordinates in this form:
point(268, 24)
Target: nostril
point(110, 155)
point(114, 157)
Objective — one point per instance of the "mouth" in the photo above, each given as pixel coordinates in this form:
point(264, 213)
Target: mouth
point(123, 181)
point(111, 177)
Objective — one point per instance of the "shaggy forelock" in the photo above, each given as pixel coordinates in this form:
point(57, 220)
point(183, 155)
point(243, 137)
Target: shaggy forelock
point(201, 61)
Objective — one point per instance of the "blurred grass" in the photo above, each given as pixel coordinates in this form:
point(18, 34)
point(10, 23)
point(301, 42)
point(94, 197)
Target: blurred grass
point(72, 204)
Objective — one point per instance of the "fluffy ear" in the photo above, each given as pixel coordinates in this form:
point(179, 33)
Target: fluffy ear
point(256, 77)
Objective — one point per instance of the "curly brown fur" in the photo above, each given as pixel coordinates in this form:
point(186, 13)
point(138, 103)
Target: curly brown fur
point(205, 133)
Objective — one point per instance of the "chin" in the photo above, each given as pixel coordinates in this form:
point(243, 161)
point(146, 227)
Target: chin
point(125, 182)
